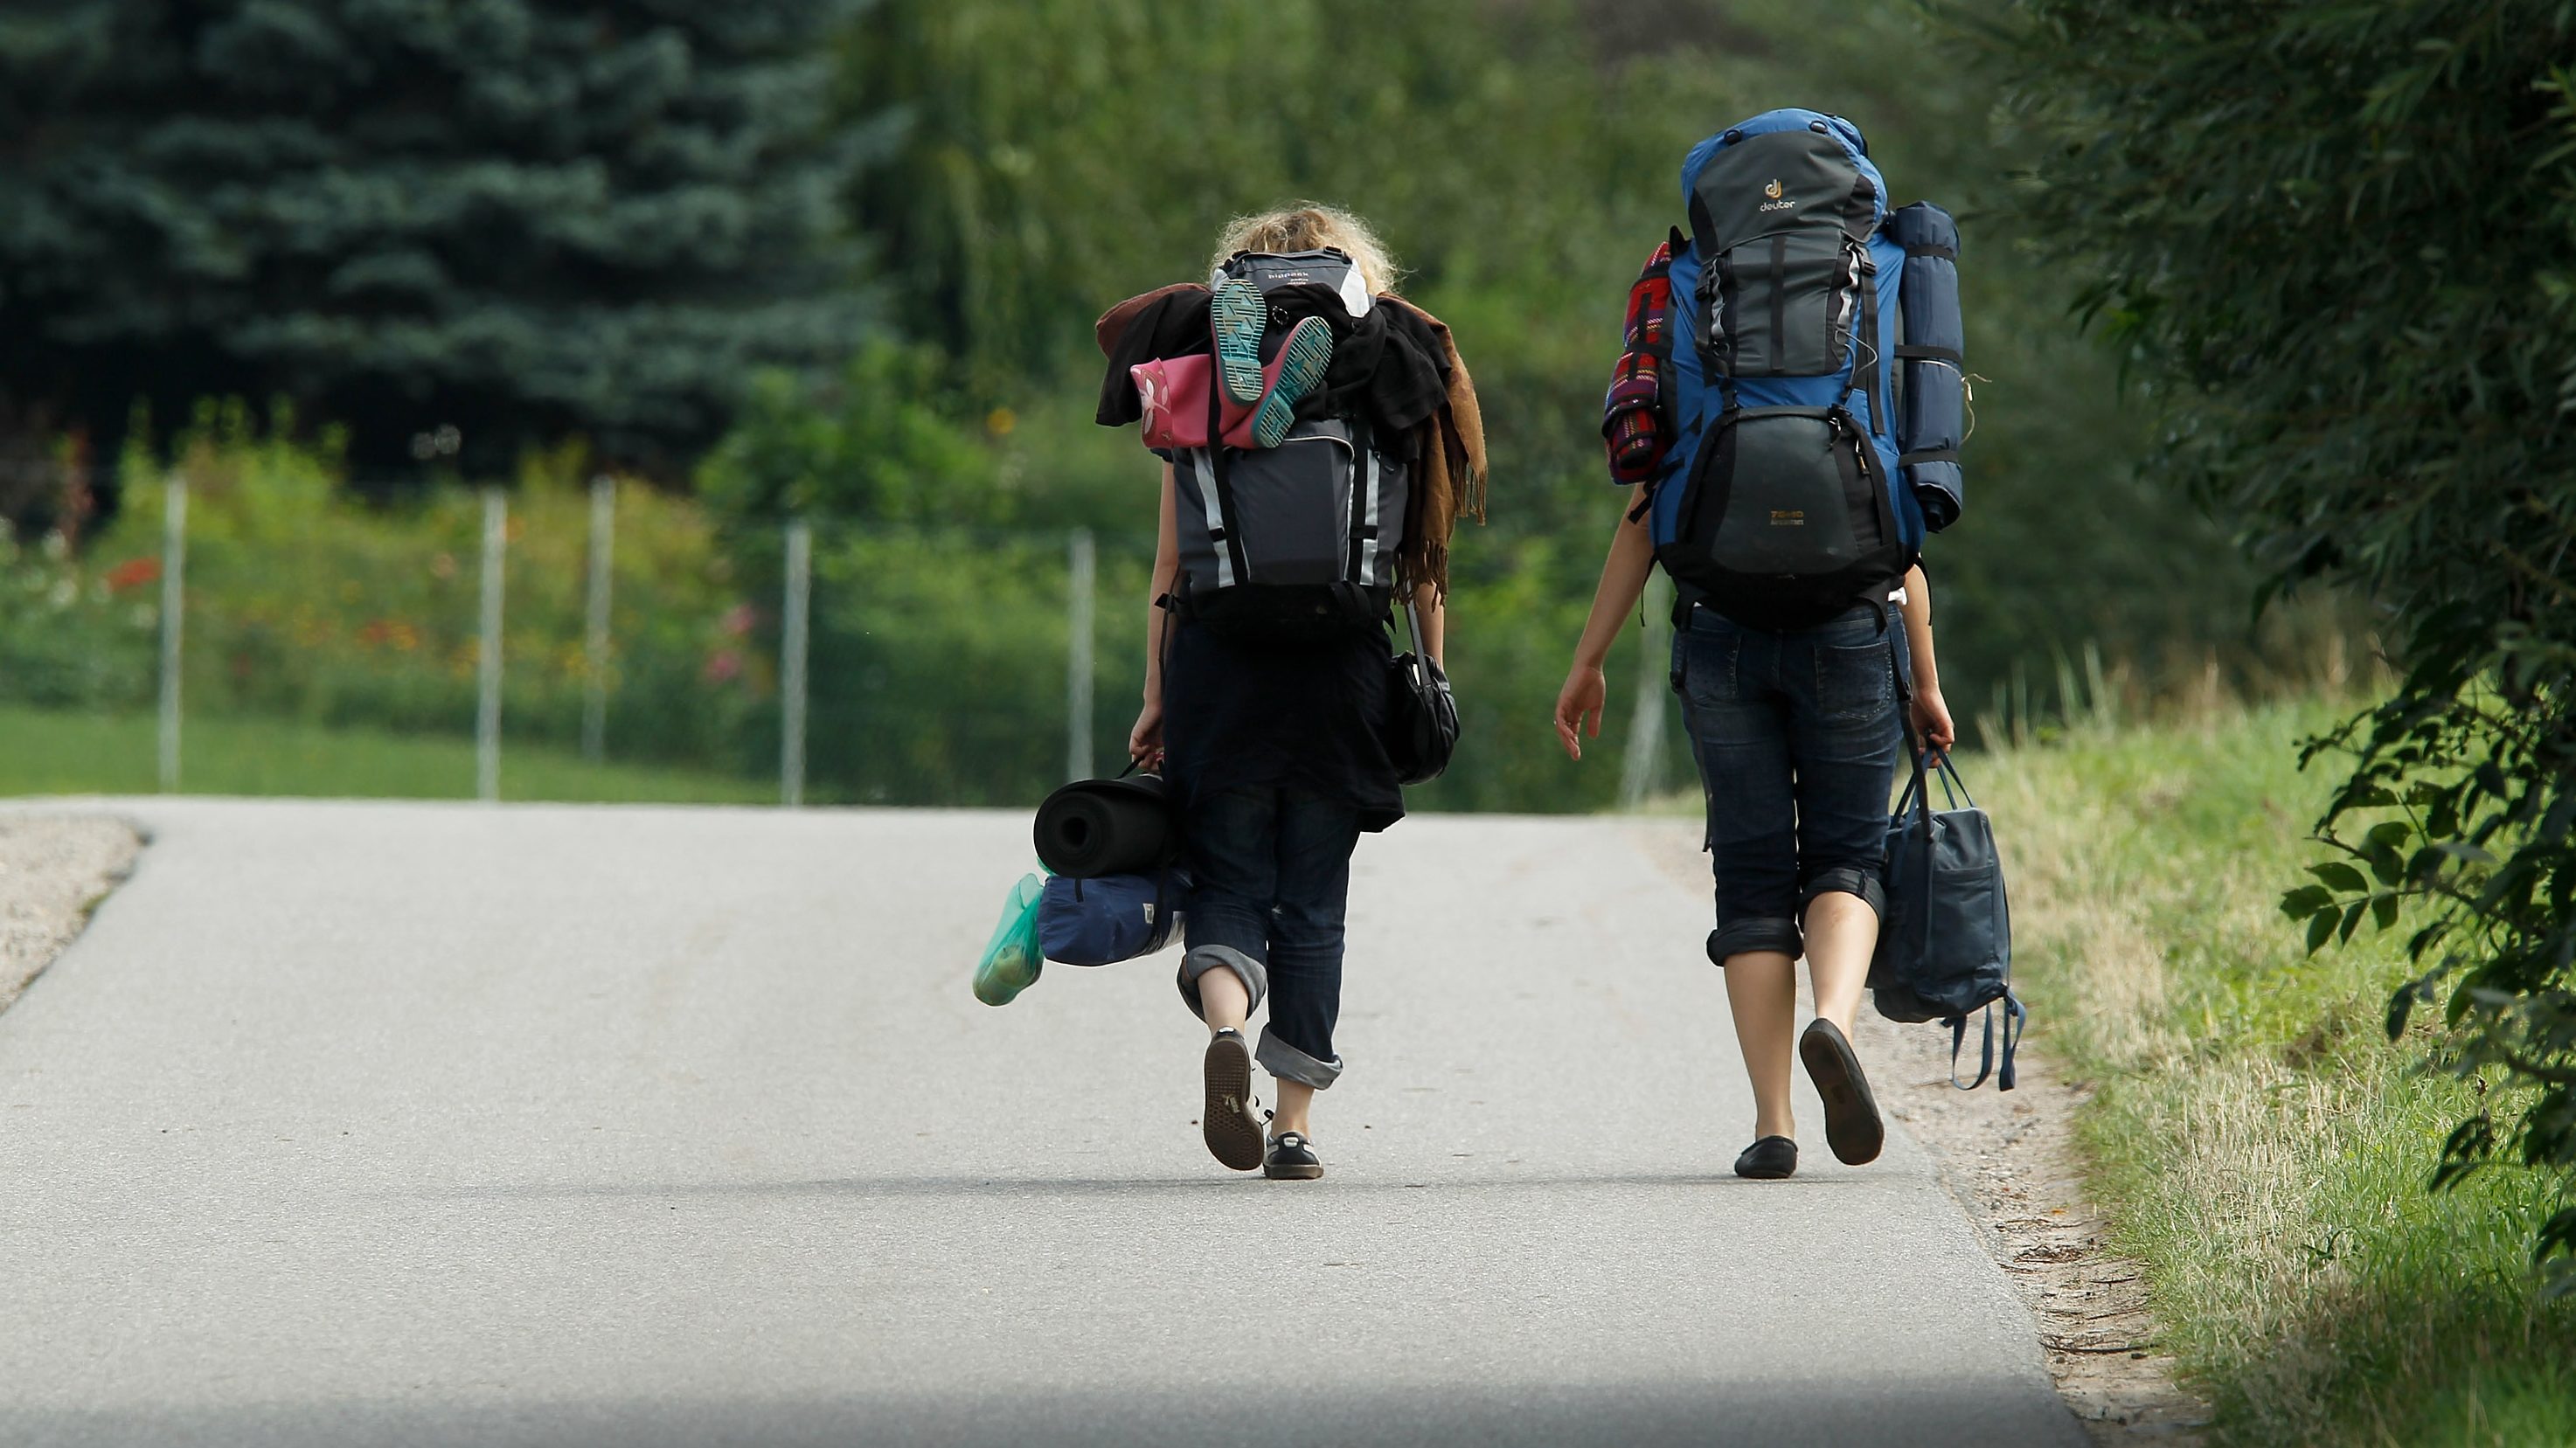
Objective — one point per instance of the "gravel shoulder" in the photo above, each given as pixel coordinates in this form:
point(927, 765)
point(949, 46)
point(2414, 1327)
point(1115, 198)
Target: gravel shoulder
point(53, 872)
point(2013, 1163)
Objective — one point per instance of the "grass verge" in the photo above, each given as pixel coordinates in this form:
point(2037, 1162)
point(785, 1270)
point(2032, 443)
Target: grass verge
point(42, 752)
point(2261, 1147)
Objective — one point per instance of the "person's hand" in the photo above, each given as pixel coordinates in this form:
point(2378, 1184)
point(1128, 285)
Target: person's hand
point(1932, 720)
point(1578, 708)
point(1145, 741)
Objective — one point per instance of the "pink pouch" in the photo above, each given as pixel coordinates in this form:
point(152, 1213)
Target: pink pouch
point(1174, 392)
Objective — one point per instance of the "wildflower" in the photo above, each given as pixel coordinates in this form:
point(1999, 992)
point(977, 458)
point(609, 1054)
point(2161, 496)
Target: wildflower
point(723, 666)
point(133, 573)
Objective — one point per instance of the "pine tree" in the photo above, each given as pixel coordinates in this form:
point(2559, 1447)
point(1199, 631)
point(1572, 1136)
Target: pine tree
point(524, 219)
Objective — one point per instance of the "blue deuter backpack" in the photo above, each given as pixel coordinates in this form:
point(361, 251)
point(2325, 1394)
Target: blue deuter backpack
point(1784, 496)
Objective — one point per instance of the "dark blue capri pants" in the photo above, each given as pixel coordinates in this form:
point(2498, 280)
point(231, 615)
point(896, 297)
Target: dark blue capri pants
point(1797, 739)
point(1272, 881)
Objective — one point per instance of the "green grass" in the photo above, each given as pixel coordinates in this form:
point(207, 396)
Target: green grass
point(52, 753)
point(2261, 1145)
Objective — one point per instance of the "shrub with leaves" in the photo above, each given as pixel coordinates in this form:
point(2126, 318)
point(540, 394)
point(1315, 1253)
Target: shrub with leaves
point(2340, 242)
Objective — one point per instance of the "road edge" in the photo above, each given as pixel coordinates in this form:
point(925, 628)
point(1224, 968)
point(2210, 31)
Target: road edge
point(55, 871)
point(2013, 1165)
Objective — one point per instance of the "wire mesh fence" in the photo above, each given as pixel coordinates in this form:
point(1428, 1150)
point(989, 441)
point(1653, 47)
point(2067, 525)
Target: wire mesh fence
point(275, 629)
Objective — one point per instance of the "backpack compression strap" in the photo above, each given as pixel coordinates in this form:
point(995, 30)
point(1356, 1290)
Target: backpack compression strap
point(1868, 382)
point(1362, 567)
point(1227, 533)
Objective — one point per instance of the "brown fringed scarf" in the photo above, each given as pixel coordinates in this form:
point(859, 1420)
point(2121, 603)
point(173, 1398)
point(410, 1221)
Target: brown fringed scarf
point(1451, 469)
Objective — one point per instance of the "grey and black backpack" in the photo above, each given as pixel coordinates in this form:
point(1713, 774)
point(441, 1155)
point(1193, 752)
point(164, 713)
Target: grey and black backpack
point(1294, 543)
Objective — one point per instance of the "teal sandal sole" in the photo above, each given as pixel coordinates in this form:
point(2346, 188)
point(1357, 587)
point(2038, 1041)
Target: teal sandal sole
point(1302, 362)
point(1239, 315)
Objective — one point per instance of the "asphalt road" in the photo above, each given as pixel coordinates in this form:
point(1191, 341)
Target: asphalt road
point(428, 1124)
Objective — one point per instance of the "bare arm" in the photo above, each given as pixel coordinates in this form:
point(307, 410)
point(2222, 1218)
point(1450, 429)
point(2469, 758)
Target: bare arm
point(1145, 741)
point(1623, 579)
point(1931, 712)
point(1435, 624)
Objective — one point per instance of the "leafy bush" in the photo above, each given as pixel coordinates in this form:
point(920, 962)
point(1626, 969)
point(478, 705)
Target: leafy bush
point(75, 633)
point(307, 602)
point(2339, 236)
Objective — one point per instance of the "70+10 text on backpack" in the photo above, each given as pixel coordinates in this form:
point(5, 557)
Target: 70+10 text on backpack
point(1787, 477)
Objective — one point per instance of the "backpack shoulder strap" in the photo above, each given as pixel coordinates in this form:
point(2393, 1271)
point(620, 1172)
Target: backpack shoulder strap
point(1873, 384)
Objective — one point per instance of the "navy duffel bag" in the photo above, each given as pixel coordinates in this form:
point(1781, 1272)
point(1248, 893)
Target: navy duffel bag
point(1945, 944)
point(1110, 918)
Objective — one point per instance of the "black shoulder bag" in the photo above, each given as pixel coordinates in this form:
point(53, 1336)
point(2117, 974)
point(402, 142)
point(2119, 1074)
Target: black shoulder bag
point(1423, 731)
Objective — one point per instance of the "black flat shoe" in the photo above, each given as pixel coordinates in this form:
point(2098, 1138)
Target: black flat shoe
point(1852, 1127)
point(1230, 1122)
point(1771, 1159)
point(1292, 1159)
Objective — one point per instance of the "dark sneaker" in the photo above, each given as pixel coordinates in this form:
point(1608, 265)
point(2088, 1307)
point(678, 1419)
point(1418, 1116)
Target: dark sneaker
point(1771, 1159)
point(1297, 370)
point(1852, 1127)
point(1238, 315)
point(1292, 1159)
point(1232, 1121)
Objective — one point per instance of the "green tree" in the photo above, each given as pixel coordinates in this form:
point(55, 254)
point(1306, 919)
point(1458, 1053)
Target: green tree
point(520, 218)
point(1521, 158)
point(2338, 237)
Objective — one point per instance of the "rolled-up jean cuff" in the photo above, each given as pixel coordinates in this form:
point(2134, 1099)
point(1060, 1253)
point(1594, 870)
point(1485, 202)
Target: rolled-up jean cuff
point(1847, 880)
point(1736, 937)
point(1290, 1064)
point(1256, 981)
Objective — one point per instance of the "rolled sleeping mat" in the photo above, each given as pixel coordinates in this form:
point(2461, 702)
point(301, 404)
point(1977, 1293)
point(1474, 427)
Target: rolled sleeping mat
point(1096, 827)
point(1932, 420)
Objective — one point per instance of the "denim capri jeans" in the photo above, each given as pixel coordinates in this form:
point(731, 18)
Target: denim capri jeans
point(1797, 740)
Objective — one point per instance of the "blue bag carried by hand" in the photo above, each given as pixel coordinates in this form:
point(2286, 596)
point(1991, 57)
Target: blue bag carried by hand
point(1110, 918)
point(1945, 946)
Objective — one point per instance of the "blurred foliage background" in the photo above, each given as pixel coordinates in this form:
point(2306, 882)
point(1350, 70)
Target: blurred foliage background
point(841, 261)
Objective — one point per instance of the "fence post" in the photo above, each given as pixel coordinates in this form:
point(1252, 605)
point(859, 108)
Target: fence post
point(487, 711)
point(1641, 772)
point(174, 564)
point(603, 545)
point(1084, 573)
point(792, 633)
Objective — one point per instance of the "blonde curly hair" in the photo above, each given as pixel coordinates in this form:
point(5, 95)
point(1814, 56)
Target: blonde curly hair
point(1305, 226)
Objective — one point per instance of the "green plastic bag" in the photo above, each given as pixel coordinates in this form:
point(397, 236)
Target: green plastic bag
point(1011, 962)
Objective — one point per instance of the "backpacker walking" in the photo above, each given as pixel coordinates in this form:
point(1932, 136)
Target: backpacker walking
point(1786, 484)
point(1319, 438)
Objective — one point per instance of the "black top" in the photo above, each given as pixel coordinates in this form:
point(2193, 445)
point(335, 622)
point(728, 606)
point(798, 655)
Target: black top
point(1237, 717)
point(1387, 366)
